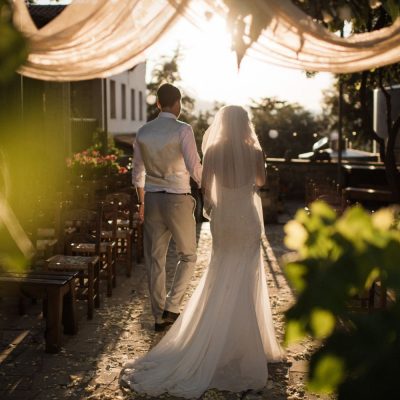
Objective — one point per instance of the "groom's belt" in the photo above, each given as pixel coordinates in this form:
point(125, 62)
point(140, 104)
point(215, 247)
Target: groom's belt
point(164, 191)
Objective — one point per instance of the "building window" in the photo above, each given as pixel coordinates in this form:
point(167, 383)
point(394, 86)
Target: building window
point(141, 105)
point(113, 108)
point(123, 101)
point(133, 104)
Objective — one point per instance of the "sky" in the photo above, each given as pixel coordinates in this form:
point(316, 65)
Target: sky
point(209, 71)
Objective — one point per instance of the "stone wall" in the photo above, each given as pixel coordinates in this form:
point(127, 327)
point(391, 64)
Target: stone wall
point(269, 194)
point(294, 174)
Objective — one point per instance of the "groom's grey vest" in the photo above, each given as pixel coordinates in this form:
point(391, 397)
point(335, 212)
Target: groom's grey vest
point(162, 156)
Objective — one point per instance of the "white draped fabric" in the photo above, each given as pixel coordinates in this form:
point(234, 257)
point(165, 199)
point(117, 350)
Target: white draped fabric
point(294, 40)
point(98, 38)
point(94, 38)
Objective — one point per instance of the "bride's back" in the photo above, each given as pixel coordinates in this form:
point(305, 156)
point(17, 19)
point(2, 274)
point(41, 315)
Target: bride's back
point(233, 164)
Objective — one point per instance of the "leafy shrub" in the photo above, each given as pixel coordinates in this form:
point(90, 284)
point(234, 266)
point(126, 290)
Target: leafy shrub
point(337, 259)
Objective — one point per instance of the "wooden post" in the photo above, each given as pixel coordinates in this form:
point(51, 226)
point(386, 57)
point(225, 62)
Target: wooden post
point(340, 128)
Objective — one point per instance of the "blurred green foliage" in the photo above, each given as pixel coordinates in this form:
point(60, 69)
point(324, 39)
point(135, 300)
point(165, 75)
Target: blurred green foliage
point(15, 247)
point(13, 46)
point(336, 260)
point(298, 129)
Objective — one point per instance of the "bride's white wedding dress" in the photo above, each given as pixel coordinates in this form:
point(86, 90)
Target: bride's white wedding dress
point(225, 336)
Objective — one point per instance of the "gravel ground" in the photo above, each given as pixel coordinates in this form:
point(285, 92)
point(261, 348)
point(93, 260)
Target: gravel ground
point(89, 363)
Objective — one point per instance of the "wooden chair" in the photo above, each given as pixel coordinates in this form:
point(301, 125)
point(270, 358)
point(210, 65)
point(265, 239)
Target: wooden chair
point(124, 234)
point(136, 226)
point(87, 241)
point(326, 190)
point(43, 228)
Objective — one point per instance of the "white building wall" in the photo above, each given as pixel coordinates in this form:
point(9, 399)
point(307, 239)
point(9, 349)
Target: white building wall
point(133, 80)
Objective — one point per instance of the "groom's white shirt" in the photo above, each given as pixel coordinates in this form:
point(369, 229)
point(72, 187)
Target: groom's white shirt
point(163, 140)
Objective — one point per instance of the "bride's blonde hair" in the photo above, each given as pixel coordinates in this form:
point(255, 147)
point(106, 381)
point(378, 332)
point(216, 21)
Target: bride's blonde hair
point(231, 148)
point(233, 123)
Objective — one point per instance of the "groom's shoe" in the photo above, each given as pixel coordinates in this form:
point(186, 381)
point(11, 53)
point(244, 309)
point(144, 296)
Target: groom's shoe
point(162, 326)
point(170, 316)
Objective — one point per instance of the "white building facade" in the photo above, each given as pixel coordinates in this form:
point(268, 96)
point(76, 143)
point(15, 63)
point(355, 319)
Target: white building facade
point(126, 101)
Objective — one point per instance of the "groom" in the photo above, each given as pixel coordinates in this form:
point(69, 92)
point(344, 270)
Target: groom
point(165, 158)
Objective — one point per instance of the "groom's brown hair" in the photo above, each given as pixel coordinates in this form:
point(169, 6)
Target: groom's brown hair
point(168, 95)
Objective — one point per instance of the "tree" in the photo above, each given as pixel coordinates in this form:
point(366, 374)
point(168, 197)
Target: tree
point(351, 115)
point(167, 71)
point(202, 121)
point(364, 16)
point(200, 125)
point(297, 128)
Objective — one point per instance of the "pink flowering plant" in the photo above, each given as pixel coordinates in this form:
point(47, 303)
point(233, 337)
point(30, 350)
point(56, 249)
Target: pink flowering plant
point(92, 163)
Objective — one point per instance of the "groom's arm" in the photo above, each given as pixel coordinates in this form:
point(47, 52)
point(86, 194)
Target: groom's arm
point(190, 154)
point(138, 178)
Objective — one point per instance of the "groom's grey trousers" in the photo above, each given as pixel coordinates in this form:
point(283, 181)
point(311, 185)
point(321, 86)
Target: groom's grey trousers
point(167, 215)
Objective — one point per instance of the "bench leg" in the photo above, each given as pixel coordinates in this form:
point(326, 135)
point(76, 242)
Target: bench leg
point(90, 295)
point(113, 260)
point(371, 297)
point(109, 277)
point(383, 296)
point(21, 306)
point(96, 268)
point(53, 321)
point(140, 242)
point(137, 240)
point(44, 307)
point(81, 280)
point(69, 316)
point(129, 255)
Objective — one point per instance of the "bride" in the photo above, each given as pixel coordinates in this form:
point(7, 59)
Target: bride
point(225, 336)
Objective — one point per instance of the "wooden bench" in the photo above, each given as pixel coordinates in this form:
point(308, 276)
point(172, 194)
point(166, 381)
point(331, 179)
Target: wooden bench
point(85, 269)
point(58, 293)
point(364, 176)
point(368, 197)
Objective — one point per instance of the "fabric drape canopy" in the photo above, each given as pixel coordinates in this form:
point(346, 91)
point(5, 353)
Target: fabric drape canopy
point(98, 38)
point(94, 38)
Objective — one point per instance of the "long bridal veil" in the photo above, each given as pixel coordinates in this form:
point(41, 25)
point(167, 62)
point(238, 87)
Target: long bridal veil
point(232, 154)
point(225, 336)
point(233, 170)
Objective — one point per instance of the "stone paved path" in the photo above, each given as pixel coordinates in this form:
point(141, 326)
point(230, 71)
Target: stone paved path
point(89, 363)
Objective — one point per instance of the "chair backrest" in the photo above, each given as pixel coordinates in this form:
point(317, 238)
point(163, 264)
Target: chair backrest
point(110, 214)
point(82, 219)
point(80, 224)
point(126, 205)
point(124, 200)
point(42, 225)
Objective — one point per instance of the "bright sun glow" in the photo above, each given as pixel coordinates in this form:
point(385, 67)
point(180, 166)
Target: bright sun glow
point(209, 66)
point(209, 71)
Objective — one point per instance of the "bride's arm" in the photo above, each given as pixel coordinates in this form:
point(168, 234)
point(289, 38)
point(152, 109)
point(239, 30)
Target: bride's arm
point(261, 177)
point(206, 184)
